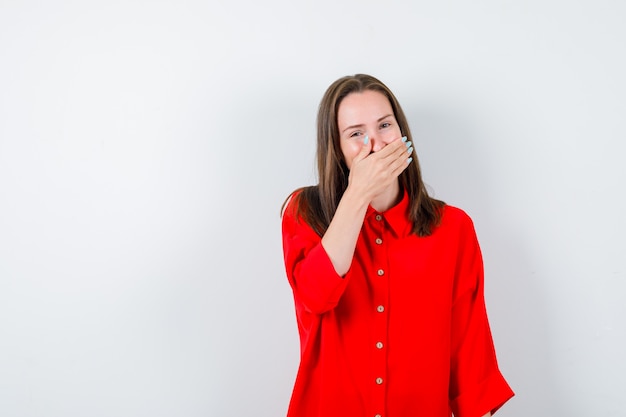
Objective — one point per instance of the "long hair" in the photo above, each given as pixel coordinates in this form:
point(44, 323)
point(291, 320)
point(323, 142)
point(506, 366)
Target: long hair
point(317, 204)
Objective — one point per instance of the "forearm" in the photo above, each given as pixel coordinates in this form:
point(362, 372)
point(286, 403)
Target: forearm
point(340, 238)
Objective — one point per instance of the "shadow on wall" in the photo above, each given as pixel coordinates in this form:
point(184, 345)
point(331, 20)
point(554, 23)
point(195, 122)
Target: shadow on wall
point(454, 154)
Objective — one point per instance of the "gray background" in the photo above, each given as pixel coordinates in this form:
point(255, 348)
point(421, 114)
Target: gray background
point(146, 148)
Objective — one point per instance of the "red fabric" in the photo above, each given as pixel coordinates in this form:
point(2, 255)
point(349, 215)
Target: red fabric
point(429, 342)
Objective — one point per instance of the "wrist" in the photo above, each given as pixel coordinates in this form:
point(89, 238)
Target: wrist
point(355, 198)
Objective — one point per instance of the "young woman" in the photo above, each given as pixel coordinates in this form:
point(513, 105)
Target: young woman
point(387, 281)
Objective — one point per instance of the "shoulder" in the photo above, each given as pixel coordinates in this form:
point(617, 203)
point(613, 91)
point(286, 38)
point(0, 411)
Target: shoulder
point(456, 219)
point(296, 213)
point(297, 200)
point(455, 214)
point(300, 207)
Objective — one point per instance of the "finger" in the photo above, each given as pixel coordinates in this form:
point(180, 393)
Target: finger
point(404, 161)
point(366, 149)
point(392, 147)
point(398, 167)
point(402, 157)
point(402, 151)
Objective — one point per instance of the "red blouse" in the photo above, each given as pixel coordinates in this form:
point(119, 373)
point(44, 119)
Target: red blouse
point(404, 333)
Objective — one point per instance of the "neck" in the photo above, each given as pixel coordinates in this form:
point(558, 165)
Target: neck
point(388, 198)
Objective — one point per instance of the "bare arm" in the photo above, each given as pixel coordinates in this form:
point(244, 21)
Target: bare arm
point(370, 175)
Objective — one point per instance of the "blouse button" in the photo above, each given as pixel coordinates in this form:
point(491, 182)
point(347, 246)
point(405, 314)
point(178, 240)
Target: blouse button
point(380, 272)
point(379, 241)
point(379, 217)
point(379, 381)
point(379, 345)
point(380, 309)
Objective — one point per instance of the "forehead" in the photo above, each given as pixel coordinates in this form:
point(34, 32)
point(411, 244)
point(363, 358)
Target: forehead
point(362, 108)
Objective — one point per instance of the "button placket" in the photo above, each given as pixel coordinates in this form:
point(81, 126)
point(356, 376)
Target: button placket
point(380, 284)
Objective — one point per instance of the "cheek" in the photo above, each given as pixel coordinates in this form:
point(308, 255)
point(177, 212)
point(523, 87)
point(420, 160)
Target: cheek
point(392, 135)
point(350, 149)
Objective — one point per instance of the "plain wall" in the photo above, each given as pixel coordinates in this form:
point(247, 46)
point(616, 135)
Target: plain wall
point(146, 148)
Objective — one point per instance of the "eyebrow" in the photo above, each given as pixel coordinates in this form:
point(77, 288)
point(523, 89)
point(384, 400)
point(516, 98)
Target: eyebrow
point(360, 125)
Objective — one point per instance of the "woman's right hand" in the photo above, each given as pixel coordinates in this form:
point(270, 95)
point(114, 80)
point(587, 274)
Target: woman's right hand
point(374, 172)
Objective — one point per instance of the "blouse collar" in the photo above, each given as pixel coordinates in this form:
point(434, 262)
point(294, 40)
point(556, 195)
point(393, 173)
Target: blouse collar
point(396, 217)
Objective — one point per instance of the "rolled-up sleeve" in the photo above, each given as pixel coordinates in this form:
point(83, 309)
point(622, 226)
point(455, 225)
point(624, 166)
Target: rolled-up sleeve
point(476, 384)
point(316, 285)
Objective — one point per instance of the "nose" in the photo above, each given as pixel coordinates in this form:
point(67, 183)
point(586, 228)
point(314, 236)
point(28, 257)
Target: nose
point(377, 144)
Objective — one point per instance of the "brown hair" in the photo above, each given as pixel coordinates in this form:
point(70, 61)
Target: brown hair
point(317, 204)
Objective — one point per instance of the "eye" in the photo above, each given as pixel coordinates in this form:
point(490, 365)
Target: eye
point(355, 134)
point(385, 125)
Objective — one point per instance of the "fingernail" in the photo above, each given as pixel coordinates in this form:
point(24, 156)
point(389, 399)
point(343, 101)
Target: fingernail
point(410, 150)
point(409, 160)
point(366, 139)
point(408, 144)
point(403, 138)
